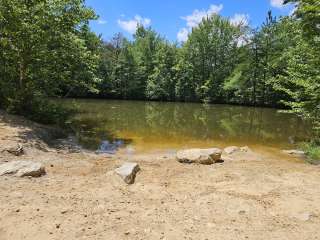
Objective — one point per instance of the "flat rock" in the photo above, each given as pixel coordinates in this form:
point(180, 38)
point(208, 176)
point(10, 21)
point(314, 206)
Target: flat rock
point(128, 172)
point(294, 152)
point(199, 156)
point(22, 169)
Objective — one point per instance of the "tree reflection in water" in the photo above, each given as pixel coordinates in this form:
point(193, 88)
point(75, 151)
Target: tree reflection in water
point(121, 123)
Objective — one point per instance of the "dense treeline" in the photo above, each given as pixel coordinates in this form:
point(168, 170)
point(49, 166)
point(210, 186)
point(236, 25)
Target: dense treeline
point(220, 63)
point(48, 50)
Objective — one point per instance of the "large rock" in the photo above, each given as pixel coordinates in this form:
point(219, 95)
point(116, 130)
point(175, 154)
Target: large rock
point(200, 156)
point(128, 172)
point(22, 169)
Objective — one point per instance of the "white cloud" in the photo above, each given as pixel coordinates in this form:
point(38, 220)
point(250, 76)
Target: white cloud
point(240, 19)
point(131, 25)
point(183, 34)
point(277, 3)
point(102, 22)
point(195, 19)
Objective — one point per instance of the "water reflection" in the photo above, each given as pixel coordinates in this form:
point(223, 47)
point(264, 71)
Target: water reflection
point(110, 125)
point(110, 147)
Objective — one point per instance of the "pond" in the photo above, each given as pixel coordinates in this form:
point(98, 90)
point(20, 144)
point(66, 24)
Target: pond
point(110, 125)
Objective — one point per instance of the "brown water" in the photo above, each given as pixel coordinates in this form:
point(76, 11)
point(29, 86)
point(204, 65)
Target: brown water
point(106, 126)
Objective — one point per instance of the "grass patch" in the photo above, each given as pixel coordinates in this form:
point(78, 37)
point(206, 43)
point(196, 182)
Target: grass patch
point(312, 151)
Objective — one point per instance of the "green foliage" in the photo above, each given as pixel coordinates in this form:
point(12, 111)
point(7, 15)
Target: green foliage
point(212, 51)
point(185, 88)
point(161, 83)
point(308, 12)
point(38, 108)
point(46, 49)
point(313, 152)
point(301, 78)
point(301, 81)
point(124, 74)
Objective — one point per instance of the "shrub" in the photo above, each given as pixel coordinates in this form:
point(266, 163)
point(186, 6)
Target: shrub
point(39, 108)
point(312, 149)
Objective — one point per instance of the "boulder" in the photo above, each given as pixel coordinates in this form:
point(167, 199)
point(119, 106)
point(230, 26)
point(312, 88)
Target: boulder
point(22, 169)
point(199, 156)
point(231, 150)
point(294, 152)
point(128, 172)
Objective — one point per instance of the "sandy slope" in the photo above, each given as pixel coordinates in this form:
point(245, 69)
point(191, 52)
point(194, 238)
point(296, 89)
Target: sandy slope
point(250, 196)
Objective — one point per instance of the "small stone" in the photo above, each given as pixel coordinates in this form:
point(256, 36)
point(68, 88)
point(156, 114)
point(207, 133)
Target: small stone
point(17, 151)
point(231, 150)
point(304, 217)
point(245, 149)
point(242, 212)
point(128, 172)
point(294, 152)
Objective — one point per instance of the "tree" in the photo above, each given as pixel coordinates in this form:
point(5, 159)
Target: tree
point(124, 74)
point(184, 78)
point(144, 49)
point(211, 49)
point(260, 61)
point(109, 58)
point(161, 82)
point(45, 49)
point(301, 81)
point(308, 12)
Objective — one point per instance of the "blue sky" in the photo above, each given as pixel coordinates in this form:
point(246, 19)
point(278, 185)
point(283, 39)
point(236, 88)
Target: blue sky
point(174, 18)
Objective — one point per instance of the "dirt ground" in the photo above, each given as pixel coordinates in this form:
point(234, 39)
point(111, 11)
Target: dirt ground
point(255, 195)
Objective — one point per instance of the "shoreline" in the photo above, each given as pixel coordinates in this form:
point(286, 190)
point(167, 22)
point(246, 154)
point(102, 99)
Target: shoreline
point(250, 196)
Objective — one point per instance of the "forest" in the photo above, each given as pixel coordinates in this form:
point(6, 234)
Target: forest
point(48, 50)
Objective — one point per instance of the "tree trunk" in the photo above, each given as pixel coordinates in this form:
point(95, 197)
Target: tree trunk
point(22, 74)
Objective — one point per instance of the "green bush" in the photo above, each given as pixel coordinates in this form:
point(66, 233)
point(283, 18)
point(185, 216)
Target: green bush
point(312, 149)
point(39, 108)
